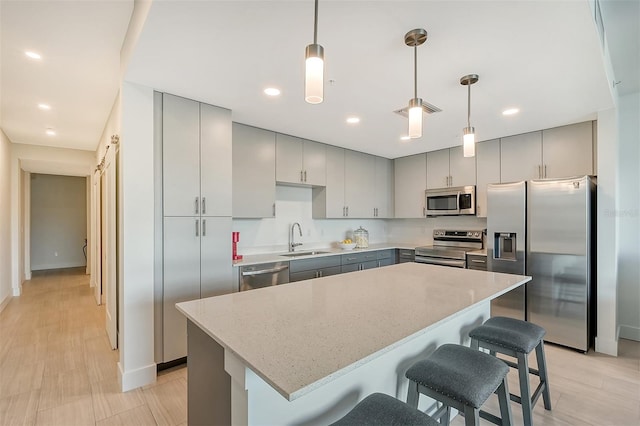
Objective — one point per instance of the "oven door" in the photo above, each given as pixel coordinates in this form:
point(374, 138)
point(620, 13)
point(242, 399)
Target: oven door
point(456, 263)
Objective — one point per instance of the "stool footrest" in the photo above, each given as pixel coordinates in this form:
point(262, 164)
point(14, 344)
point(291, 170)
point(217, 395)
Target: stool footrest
point(490, 417)
point(534, 397)
point(514, 365)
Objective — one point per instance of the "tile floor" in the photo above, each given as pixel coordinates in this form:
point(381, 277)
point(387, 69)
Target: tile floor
point(56, 368)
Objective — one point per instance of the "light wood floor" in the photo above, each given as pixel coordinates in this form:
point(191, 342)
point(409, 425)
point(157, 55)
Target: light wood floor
point(56, 368)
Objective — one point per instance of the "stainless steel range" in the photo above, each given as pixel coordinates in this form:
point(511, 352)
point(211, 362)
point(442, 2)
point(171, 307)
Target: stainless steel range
point(449, 248)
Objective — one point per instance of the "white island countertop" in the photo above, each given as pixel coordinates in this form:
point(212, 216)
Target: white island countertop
point(299, 336)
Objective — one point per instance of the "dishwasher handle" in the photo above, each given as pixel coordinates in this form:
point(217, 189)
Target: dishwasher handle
point(264, 271)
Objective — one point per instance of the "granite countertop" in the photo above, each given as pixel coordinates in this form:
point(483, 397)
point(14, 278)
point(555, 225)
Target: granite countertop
point(300, 336)
point(255, 259)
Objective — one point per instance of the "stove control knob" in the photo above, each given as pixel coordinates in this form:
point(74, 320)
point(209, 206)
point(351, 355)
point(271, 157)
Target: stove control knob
point(476, 234)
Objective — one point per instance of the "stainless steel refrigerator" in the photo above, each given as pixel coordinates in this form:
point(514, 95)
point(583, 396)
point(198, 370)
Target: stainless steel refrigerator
point(546, 228)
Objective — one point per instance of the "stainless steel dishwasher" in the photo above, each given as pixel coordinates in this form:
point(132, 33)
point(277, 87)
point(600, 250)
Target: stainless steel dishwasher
point(263, 275)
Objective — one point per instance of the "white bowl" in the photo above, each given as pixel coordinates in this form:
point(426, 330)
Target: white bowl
point(349, 246)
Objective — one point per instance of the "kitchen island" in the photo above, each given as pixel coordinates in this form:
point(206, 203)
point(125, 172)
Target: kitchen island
point(307, 352)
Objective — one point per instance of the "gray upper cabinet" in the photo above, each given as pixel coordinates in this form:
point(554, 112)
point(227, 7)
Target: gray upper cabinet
point(196, 158)
point(568, 150)
point(359, 189)
point(300, 161)
point(410, 182)
point(487, 171)
point(215, 160)
point(521, 157)
point(328, 201)
point(181, 156)
point(449, 167)
point(254, 184)
point(383, 188)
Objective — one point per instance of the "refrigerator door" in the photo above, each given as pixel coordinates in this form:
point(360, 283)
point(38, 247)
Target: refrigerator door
point(559, 259)
point(506, 242)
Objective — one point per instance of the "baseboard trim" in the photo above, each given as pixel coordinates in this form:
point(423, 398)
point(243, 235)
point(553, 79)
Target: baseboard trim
point(607, 346)
point(630, 332)
point(5, 302)
point(62, 265)
point(17, 291)
point(136, 378)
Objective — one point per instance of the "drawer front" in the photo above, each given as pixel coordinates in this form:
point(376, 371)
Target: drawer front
point(386, 262)
point(385, 254)
point(315, 273)
point(350, 268)
point(370, 265)
point(312, 264)
point(476, 262)
point(351, 258)
point(406, 255)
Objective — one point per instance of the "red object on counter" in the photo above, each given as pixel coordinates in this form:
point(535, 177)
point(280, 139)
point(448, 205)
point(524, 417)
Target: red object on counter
point(235, 238)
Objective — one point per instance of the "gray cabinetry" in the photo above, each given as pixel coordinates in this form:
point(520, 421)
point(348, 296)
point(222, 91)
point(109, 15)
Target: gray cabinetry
point(406, 255)
point(359, 261)
point(410, 182)
point(449, 167)
point(300, 161)
point(254, 185)
point(359, 190)
point(568, 150)
point(487, 171)
point(521, 157)
point(328, 201)
point(383, 188)
point(314, 268)
point(196, 213)
point(386, 257)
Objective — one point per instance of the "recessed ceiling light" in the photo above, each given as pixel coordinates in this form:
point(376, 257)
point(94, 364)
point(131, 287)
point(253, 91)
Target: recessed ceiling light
point(33, 55)
point(510, 111)
point(271, 91)
point(51, 132)
point(353, 120)
point(44, 106)
point(405, 138)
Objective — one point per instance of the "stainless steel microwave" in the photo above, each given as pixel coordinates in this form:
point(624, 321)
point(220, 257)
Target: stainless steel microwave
point(451, 201)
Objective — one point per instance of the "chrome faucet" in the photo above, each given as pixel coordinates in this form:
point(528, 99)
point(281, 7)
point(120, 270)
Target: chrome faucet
point(292, 244)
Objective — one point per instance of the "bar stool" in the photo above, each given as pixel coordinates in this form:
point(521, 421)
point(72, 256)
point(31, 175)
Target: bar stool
point(461, 378)
point(384, 410)
point(516, 338)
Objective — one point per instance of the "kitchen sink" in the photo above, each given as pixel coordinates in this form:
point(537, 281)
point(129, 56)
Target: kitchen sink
point(303, 253)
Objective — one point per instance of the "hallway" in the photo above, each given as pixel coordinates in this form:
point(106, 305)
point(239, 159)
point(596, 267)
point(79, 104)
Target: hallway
point(56, 367)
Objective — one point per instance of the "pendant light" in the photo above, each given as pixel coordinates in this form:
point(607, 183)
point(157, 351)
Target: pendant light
point(415, 38)
point(468, 133)
point(314, 67)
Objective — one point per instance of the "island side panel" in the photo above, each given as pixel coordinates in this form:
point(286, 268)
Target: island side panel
point(385, 373)
point(209, 385)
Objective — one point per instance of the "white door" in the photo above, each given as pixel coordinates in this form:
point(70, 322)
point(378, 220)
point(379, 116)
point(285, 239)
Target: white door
point(96, 232)
point(109, 246)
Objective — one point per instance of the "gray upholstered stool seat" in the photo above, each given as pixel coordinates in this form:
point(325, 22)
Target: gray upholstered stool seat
point(384, 410)
point(517, 338)
point(461, 378)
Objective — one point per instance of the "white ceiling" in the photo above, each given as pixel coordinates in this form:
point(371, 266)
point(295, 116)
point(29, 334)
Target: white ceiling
point(540, 56)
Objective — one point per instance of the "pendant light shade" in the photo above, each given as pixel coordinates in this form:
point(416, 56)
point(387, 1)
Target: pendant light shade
point(314, 67)
point(469, 133)
point(415, 38)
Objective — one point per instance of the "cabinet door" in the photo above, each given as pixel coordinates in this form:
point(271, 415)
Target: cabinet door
point(181, 276)
point(488, 171)
point(334, 191)
point(359, 184)
point(438, 169)
point(461, 169)
point(215, 161)
point(350, 268)
point(216, 271)
point(254, 171)
point(314, 162)
point(288, 159)
point(521, 157)
point(180, 156)
point(383, 188)
point(568, 150)
point(410, 181)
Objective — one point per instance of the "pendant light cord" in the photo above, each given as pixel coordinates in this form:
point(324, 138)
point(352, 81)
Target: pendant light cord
point(315, 25)
point(469, 105)
point(415, 71)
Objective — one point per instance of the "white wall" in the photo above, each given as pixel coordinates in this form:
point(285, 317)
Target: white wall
point(5, 220)
point(136, 238)
point(58, 221)
point(628, 216)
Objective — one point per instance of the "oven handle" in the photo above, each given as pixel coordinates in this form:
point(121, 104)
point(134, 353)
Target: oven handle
point(441, 261)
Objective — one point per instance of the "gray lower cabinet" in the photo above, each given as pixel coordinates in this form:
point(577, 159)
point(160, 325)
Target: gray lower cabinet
point(386, 257)
point(406, 255)
point(359, 261)
point(306, 269)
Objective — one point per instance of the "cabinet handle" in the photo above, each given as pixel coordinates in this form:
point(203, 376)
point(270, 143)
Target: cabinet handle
point(197, 228)
point(274, 209)
point(204, 205)
point(315, 275)
point(545, 170)
point(204, 227)
point(347, 211)
point(478, 261)
point(539, 171)
point(197, 205)
point(424, 211)
point(320, 274)
point(301, 180)
point(305, 175)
